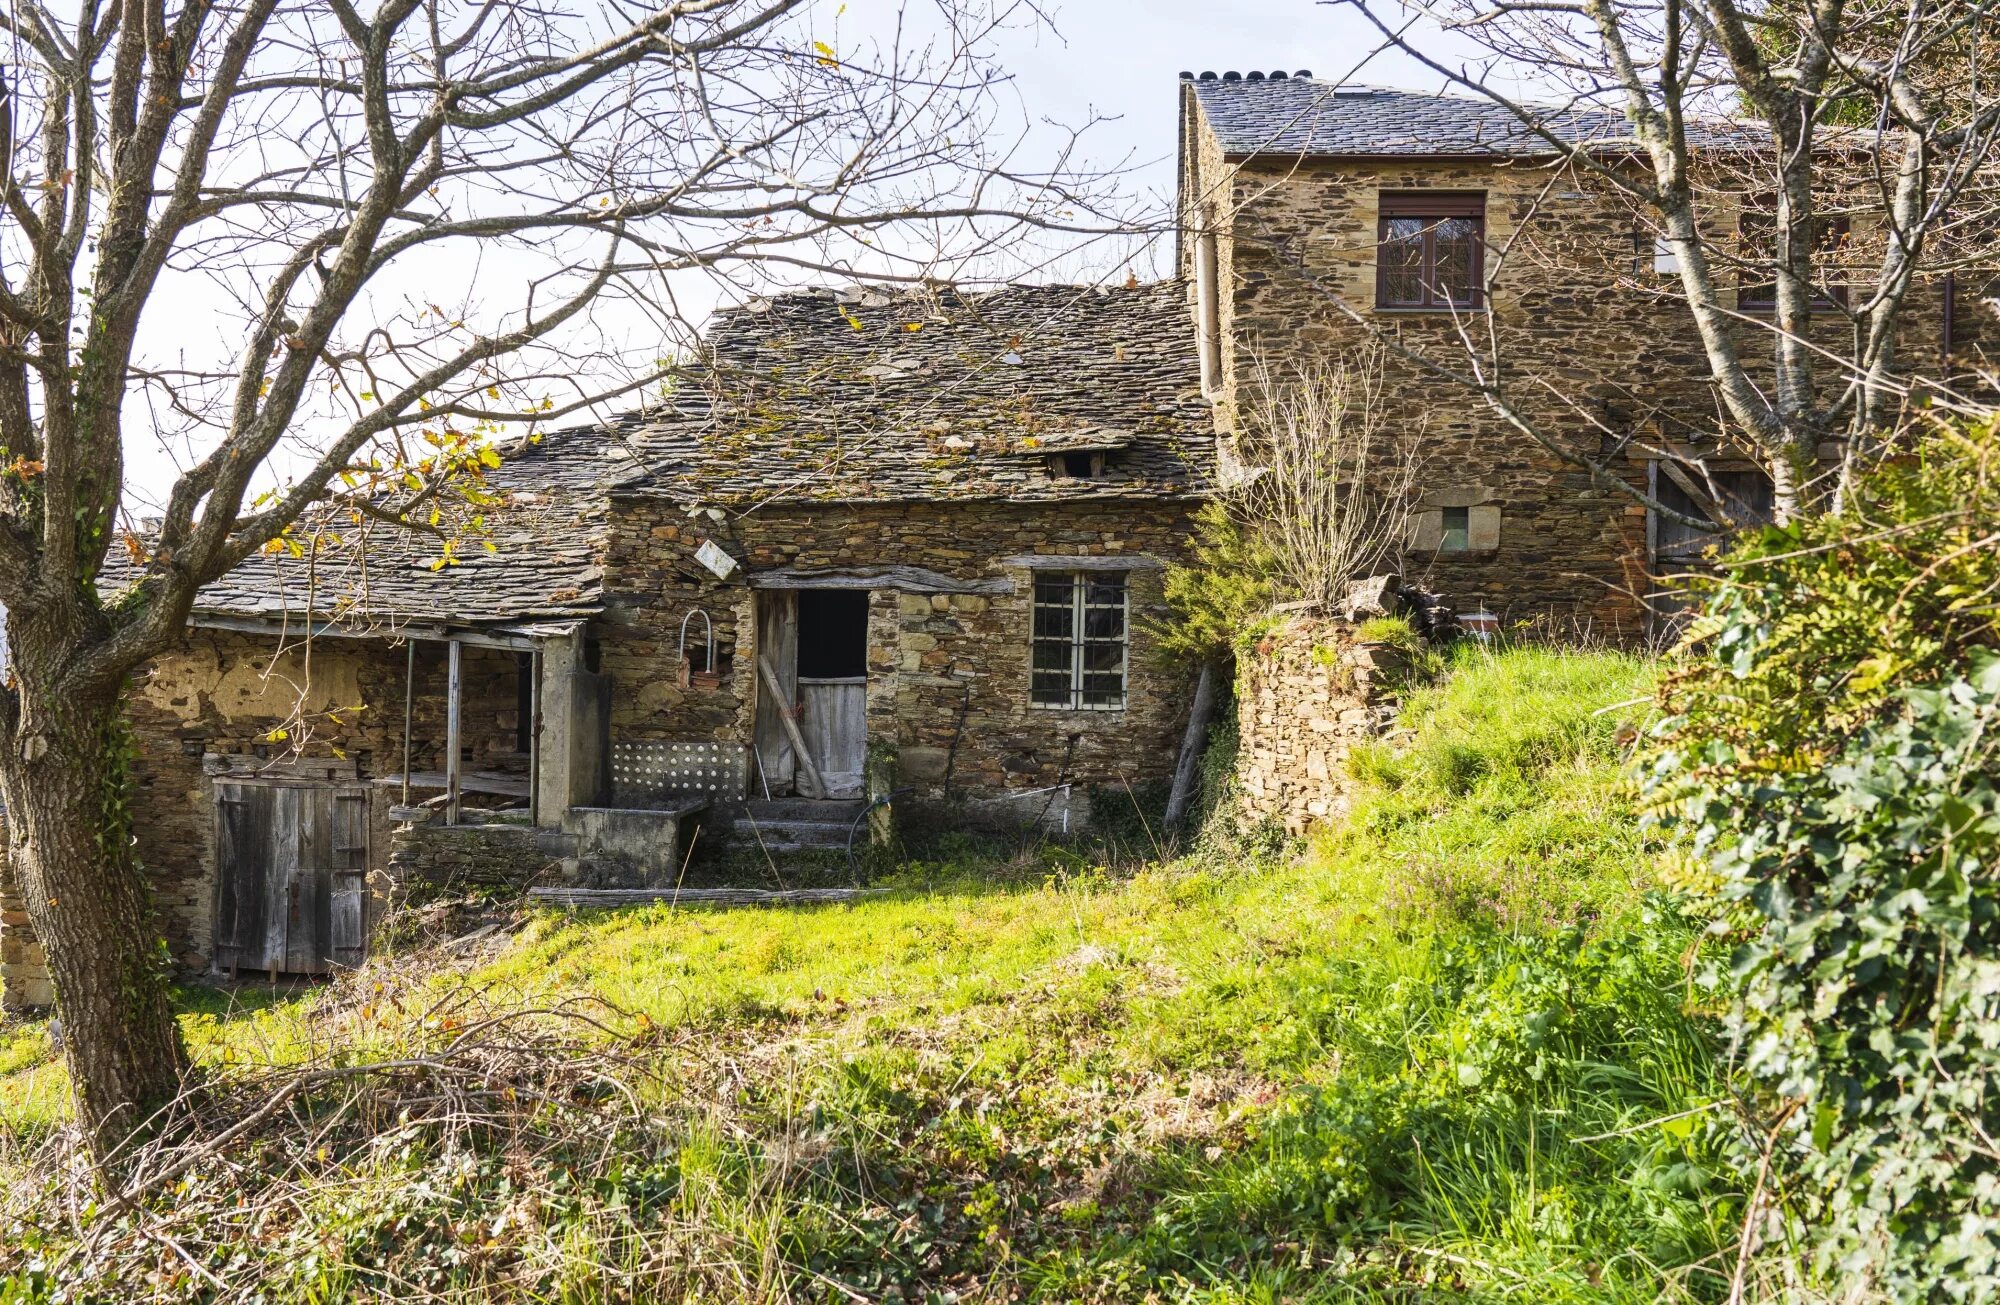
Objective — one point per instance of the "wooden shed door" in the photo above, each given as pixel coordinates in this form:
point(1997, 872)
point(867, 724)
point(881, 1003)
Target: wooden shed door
point(291, 860)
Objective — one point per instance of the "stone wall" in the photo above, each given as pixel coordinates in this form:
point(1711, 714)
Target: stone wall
point(948, 672)
point(24, 971)
point(427, 860)
point(1596, 349)
point(1305, 696)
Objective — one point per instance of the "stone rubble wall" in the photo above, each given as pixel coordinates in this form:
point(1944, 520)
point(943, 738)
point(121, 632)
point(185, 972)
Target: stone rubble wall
point(1307, 694)
point(24, 969)
point(947, 673)
point(427, 860)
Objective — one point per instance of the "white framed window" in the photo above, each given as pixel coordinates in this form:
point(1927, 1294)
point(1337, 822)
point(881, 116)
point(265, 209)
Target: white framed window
point(1079, 652)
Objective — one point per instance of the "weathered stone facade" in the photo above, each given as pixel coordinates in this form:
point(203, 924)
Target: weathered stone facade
point(434, 859)
point(948, 672)
point(1306, 695)
point(1593, 343)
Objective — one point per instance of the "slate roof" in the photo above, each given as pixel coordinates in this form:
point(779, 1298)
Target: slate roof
point(1306, 116)
point(887, 395)
point(548, 535)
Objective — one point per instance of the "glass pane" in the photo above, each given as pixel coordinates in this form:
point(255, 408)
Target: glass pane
point(1103, 656)
point(1453, 266)
point(1103, 622)
point(1054, 589)
point(1054, 622)
point(1108, 588)
point(1049, 690)
point(1052, 655)
point(1103, 690)
point(1457, 528)
point(1402, 261)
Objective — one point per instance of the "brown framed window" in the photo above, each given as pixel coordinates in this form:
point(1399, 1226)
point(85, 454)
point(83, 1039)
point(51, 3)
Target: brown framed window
point(1430, 250)
point(1079, 641)
point(1758, 234)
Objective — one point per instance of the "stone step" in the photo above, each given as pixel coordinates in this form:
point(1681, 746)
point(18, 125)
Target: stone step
point(832, 811)
point(790, 835)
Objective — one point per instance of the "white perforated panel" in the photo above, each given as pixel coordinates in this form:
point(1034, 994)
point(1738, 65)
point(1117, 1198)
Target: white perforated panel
point(643, 769)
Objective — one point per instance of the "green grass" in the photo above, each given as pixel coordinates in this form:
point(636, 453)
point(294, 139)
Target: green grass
point(1443, 1051)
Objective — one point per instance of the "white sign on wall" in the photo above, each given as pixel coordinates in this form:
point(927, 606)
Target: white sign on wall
point(711, 555)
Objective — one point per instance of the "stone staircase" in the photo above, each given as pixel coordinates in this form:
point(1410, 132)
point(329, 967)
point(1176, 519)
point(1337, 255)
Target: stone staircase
point(785, 825)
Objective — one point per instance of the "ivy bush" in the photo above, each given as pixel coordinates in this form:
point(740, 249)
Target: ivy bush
point(1829, 761)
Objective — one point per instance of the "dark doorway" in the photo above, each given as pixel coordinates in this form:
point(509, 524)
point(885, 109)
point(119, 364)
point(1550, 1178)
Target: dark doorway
point(833, 634)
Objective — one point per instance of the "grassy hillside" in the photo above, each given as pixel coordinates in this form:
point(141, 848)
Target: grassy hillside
point(1446, 1050)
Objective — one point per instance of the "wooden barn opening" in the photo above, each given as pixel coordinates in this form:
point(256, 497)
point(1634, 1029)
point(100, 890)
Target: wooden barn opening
point(813, 653)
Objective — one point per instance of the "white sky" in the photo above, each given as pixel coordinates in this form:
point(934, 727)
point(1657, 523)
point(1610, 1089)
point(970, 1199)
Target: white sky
point(1118, 58)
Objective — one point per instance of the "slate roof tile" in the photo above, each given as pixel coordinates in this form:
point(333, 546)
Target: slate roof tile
point(549, 535)
point(1307, 116)
point(884, 395)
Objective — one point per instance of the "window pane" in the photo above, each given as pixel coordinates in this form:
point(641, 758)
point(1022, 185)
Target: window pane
point(1104, 623)
point(1402, 261)
point(1052, 655)
point(1457, 528)
point(1454, 260)
point(1054, 622)
point(1049, 689)
point(1054, 588)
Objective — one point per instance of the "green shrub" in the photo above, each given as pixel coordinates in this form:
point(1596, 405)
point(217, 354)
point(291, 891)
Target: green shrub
point(1831, 757)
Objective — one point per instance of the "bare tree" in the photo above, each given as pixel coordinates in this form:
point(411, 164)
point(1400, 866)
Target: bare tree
point(294, 177)
point(1824, 117)
point(1330, 496)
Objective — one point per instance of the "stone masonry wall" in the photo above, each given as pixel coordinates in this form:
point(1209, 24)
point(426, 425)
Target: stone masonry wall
point(427, 859)
point(24, 971)
point(1304, 697)
point(1595, 347)
point(948, 673)
point(224, 692)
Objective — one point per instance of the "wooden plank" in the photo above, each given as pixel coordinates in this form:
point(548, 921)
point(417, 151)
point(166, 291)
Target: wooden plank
point(777, 639)
point(303, 814)
point(280, 857)
point(806, 767)
point(452, 743)
point(591, 897)
point(896, 577)
point(834, 721)
point(243, 819)
point(347, 929)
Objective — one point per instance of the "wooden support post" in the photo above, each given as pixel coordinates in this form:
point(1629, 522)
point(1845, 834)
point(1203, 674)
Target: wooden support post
point(786, 714)
point(409, 692)
point(535, 738)
point(451, 740)
point(1189, 766)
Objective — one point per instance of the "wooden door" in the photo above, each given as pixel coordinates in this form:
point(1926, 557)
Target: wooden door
point(777, 644)
point(833, 719)
point(291, 860)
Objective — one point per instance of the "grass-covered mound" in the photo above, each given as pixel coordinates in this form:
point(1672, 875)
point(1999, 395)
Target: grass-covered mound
point(1445, 1049)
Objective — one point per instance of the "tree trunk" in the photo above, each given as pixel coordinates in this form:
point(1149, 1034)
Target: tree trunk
point(69, 835)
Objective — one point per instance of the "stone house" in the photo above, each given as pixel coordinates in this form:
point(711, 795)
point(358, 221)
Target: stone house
point(883, 543)
point(888, 542)
point(1316, 217)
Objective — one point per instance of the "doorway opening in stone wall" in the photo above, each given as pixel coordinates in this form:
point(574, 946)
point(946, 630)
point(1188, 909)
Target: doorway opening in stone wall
point(290, 862)
point(813, 653)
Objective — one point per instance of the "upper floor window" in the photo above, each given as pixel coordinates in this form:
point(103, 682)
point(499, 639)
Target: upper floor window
point(1430, 251)
point(1079, 640)
point(1759, 235)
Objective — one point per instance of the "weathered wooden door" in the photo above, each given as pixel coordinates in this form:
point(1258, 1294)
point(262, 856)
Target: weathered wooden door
point(290, 859)
point(833, 720)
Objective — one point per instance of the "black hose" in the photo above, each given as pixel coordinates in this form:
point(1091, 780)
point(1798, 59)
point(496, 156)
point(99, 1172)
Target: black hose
point(854, 866)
